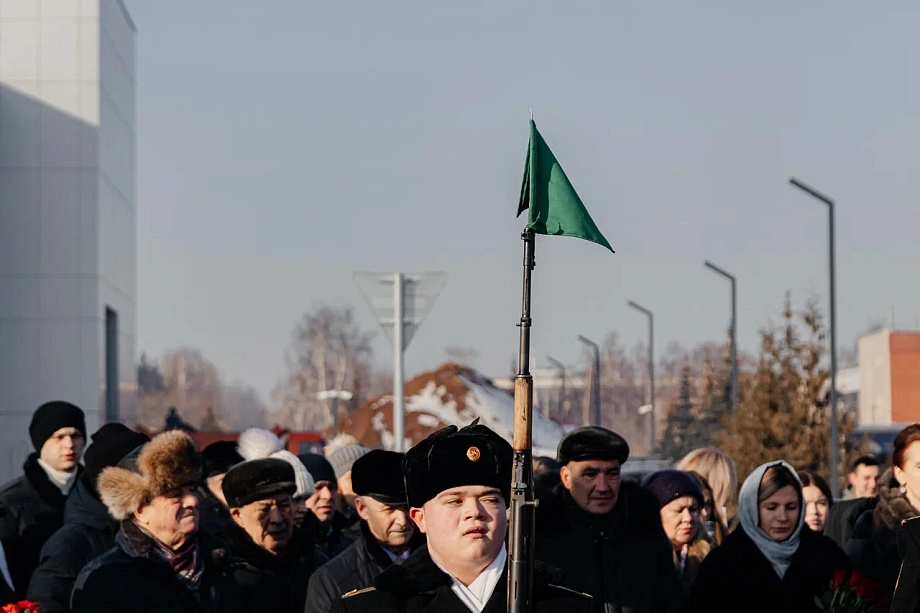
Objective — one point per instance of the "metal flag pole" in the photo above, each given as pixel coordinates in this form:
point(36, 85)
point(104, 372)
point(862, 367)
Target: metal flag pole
point(522, 525)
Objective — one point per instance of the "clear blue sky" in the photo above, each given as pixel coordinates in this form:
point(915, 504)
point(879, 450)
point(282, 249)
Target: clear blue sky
point(284, 145)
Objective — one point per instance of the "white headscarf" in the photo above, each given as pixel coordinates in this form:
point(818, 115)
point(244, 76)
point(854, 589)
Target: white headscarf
point(778, 553)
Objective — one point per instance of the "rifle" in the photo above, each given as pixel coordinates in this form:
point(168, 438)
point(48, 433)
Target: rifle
point(522, 525)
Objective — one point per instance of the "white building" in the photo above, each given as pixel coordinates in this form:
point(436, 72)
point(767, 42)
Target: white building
point(67, 213)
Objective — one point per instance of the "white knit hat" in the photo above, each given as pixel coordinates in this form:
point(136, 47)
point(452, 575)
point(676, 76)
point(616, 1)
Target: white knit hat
point(257, 443)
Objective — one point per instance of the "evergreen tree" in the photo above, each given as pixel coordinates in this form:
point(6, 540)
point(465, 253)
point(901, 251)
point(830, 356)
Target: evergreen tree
point(781, 414)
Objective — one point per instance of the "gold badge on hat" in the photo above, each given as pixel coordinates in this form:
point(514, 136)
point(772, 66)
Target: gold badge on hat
point(473, 454)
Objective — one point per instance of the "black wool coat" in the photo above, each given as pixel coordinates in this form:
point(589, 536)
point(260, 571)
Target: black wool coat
point(842, 518)
point(419, 585)
point(907, 590)
point(133, 578)
point(736, 576)
point(353, 569)
point(214, 517)
point(623, 559)
point(35, 511)
point(268, 582)
point(88, 532)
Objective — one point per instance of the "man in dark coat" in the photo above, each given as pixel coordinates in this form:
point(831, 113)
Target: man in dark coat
point(458, 484)
point(35, 501)
point(89, 531)
point(605, 534)
point(329, 529)
point(160, 563)
point(386, 531)
point(272, 562)
point(842, 518)
point(218, 458)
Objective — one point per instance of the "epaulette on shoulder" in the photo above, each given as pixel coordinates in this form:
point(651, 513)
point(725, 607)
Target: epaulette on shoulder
point(356, 592)
point(570, 591)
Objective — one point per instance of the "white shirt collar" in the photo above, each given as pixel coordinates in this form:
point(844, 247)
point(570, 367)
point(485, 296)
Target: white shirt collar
point(5, 569)
point(393, 557)
point(477, 594)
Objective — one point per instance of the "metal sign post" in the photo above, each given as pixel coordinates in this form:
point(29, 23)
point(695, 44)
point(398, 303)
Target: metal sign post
point(401, 302)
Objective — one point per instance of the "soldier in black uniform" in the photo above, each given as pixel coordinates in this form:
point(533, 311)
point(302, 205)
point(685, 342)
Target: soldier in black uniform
point(458, 484)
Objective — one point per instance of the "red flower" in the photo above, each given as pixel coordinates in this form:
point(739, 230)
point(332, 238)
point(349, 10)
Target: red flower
point(839, 577)
point(23, 606)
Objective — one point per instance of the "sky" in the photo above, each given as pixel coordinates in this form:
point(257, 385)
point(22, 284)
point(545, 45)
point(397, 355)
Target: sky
point(282, 146)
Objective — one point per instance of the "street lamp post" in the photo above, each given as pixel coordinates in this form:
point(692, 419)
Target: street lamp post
point(651, 368)
point(561, 368)
point(734, 328)
point(835, 443)
point(594, 419)
point(334, 395)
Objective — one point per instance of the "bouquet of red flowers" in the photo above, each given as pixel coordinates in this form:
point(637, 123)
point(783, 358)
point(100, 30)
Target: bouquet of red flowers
point(23, 606)
point(849, 592)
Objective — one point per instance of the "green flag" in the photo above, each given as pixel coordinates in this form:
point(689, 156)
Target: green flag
point(555, 208)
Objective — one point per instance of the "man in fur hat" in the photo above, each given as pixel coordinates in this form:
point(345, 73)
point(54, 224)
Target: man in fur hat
point(34, 503)
point(272, 562)
point(458, 484)
point(159, 562)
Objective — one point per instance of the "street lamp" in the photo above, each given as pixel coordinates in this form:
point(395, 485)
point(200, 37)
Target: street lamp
point(835, 444)
point(734, 326)
point(595, 419)
point(334, 395)
point(561, 368)
point(651, 367)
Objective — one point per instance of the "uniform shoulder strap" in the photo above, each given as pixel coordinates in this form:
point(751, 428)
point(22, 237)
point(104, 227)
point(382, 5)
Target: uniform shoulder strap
point(356, 592)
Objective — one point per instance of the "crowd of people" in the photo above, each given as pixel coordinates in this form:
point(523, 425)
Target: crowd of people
point(153, 524)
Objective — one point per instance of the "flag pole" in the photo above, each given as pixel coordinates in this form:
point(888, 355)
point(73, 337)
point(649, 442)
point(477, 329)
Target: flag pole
point(522, 525)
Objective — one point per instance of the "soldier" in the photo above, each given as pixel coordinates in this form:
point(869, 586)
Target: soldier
point(458, 484)
point(386, 531)
point(605, 534)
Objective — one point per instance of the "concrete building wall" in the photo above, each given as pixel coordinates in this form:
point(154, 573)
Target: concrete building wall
point(875, 379)
point(67, 244)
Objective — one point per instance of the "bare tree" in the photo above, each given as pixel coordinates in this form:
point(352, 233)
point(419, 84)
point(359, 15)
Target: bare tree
point(183, 378)
point(329, 351)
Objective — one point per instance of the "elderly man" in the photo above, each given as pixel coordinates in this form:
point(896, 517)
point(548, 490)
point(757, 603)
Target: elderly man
point(35, 501)
point(386, 531)
point(605, 534)
point(458, 483)
point(159, 563)
point(272, 562)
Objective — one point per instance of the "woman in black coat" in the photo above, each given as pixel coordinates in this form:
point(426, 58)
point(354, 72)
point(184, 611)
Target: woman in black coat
point(770, 562)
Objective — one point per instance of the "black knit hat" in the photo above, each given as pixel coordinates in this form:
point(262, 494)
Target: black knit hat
point(592, 443)
point(452, 457)
point(110, 444)
point(669, 484)
point(220, 457)
point(51, 417)
point(379, 475)
point(318, 467)
point(257, 480)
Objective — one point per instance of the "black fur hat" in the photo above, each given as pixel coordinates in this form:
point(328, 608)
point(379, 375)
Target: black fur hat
point(452, 457)
point(378, 474)
point(257, 480)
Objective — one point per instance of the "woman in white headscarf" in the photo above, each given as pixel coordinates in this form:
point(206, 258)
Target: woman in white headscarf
point(769, 563)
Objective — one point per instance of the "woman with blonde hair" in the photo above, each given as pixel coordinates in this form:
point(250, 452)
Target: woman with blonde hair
point(719, 471)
